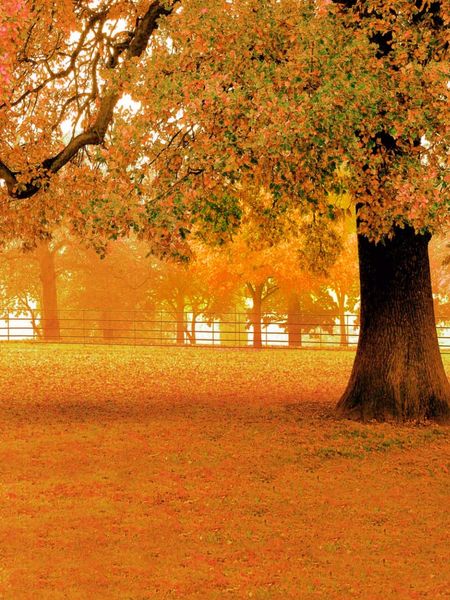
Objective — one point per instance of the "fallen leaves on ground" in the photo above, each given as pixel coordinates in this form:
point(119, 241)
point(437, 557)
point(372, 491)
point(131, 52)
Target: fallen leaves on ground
point(146, 473)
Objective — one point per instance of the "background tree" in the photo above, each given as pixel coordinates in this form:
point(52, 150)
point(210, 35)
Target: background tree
point(30, 284)
point(19, 288)
point(268, 245)
point(303, 302)
point(190, 290)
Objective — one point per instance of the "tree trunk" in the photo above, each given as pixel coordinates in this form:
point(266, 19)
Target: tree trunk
point(193, 329)
point(398, 372)
point(256, 315)
point(49, 298)
point(342, 322)
point(294, 327)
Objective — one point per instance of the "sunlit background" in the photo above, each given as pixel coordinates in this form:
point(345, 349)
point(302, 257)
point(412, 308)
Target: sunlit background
point(64, 292)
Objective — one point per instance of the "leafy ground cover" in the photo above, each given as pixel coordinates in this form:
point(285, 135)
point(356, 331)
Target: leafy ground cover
point(145, 473)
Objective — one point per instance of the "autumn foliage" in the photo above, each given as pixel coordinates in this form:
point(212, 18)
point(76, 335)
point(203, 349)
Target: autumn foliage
point(13, 12)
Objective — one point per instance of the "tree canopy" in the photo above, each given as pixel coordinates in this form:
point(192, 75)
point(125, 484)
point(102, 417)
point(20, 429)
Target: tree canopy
point(163, 109)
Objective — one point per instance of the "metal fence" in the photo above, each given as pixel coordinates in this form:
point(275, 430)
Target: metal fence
point(161, 328)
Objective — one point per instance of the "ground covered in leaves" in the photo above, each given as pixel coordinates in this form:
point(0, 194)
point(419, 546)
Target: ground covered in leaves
point(145, 473)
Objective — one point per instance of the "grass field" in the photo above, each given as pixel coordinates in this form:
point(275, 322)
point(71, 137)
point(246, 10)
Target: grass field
point(145, 473)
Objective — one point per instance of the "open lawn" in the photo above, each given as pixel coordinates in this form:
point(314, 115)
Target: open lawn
point(146, 473)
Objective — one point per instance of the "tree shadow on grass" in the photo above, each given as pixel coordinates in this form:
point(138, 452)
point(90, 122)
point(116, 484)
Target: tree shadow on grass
point(78, 411)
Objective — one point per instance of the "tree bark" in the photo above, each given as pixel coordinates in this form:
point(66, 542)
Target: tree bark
point(294, 327)
point(398, 372)
point(49, 297)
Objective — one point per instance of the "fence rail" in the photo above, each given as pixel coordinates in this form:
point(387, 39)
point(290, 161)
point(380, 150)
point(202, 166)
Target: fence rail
point(233, 329)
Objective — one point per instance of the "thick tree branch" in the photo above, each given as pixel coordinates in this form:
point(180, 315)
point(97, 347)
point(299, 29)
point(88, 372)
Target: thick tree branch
point(7, 175)
point(251, 289)
point(95, 134)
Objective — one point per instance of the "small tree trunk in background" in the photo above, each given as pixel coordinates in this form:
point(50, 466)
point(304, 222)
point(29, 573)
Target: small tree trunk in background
point(37, 331)
point(49, 298)
point(342, 323)
point(180, 319)
point(256, 314)
point(398, 371)
point(294, 327)
point(193, 328)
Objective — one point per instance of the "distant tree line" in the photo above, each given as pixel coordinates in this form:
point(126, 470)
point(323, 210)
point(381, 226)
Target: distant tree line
point(62, 277)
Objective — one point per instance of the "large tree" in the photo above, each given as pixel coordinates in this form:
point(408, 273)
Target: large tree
point(213, 97)
point(402, 193)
